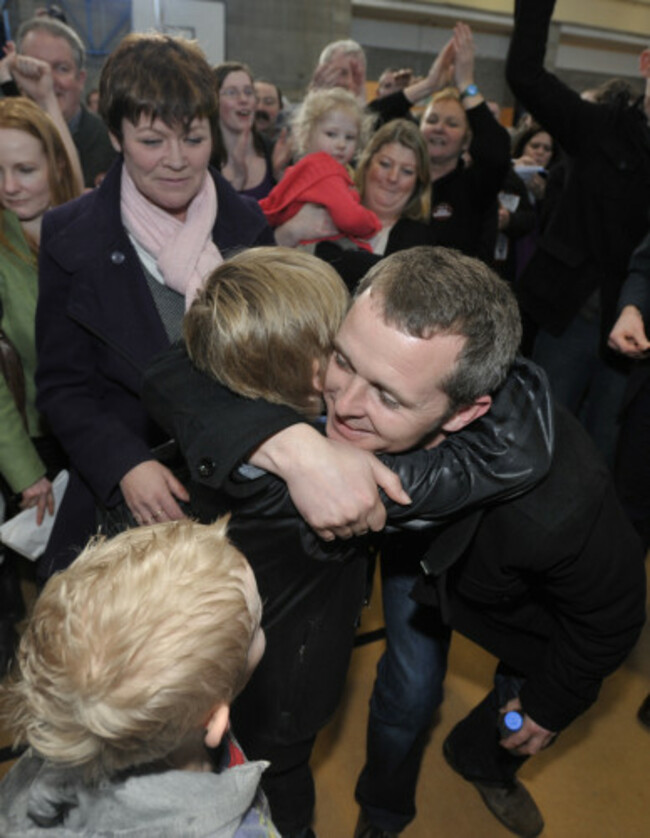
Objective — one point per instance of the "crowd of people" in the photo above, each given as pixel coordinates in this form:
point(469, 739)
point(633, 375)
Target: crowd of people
point(353, 331)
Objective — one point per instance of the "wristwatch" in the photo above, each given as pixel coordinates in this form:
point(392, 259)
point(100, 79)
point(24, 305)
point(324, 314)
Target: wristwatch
point(470, 90)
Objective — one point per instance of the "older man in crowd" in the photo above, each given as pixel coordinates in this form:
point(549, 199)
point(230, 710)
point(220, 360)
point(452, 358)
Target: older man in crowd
point(59, 46)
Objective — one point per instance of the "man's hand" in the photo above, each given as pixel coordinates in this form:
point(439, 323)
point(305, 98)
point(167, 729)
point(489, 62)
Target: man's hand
point(330, 73)
point(333, 485)
point(628, 335)
point(5, 62)
point(33, 77)
point(531, 739)
point(150, 491)
point(325, 76)
point(40, 495)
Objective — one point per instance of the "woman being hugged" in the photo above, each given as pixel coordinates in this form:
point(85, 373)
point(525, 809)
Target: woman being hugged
point(117, 270)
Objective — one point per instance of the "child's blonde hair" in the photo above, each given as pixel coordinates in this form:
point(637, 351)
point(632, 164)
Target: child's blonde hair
point(317, 105)
point(262, 319)
point(130, 648)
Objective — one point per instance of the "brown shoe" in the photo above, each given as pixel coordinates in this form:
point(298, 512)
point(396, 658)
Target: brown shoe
point(365, 829)
point(511, 804)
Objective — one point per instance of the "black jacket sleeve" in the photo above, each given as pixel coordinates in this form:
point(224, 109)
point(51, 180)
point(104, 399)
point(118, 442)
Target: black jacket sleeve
point(394, 106)
point(490, 153)
point(500, 455)
point(215, 429)
point(561, 110)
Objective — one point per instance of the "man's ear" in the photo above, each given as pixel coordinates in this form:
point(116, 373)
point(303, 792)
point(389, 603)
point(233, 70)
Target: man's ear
point(465, 415)
point(217, 725)
point(117, 145)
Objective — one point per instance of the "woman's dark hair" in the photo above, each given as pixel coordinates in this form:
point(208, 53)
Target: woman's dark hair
point(520, 141)
point(219, 153)
point(158, 75)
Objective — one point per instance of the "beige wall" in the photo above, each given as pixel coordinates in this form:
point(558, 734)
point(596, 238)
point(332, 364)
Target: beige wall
point(621, 15)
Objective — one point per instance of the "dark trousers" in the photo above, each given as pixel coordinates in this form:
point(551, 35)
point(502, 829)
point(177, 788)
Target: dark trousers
point(588, 381)
point(311, 610)
point(474, 741)
point(632, 472)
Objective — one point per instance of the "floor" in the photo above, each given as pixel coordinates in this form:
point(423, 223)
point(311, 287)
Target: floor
point(593, 783)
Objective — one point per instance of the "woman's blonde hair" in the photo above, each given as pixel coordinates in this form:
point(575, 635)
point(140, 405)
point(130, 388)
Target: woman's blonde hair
point(407, 134)
point(451, 94)
point(131, 647)
point(261, 321)
point(316, 105)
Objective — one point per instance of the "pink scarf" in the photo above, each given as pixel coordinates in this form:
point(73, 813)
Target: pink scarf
point(184, 251)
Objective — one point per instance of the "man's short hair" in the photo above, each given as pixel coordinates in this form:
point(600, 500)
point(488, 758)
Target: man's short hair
point(426, 291)
point(614, 91)
point(161, 76)
point(130, 648)
point(278, 92)
point(261, 320)
point(345, 47)
point(58, 30)
point(405, 133)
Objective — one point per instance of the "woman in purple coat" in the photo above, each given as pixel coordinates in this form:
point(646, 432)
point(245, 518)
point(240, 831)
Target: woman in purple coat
point(118, 267)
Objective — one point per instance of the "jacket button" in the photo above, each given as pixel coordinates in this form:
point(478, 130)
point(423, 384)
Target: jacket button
point(117, 257)
point(206, 467)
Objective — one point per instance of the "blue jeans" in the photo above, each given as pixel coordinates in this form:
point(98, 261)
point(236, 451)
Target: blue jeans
point(407, 691)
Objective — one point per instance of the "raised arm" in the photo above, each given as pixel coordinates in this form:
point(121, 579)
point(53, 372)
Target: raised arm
point(557, 107)
point(398, 104)
point(34, 78)
point(334, 487)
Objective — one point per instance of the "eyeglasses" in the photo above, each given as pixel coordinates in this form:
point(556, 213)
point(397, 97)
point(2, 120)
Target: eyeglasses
point(235, 92)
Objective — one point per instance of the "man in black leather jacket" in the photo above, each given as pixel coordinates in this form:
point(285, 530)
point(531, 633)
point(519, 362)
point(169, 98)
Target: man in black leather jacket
point(384, 400)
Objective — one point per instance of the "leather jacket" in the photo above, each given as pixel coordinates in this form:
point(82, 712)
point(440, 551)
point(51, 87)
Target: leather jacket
point(502, 454)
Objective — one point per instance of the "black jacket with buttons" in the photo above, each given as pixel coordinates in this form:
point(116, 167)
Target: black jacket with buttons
point(97, 328)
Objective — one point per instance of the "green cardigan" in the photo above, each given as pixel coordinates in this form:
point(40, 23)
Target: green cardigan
point(20, 464)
